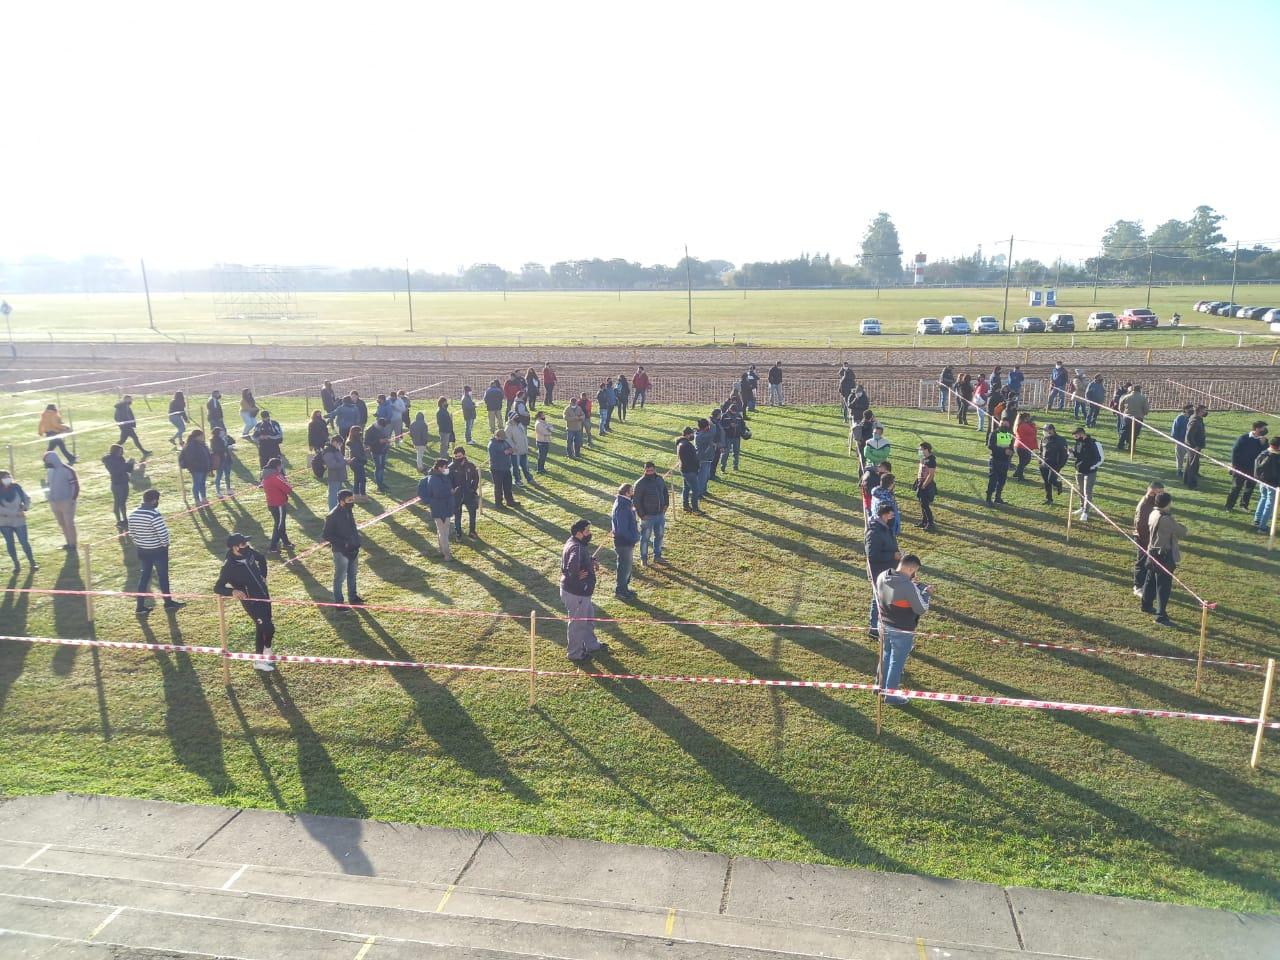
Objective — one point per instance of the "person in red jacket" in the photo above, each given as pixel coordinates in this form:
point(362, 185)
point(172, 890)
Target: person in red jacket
point(548, 382)
point(510, 390)
point(640, 384)
point(1026, 439)
point(277, 490)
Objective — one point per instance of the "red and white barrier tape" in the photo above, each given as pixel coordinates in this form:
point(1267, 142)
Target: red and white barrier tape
point(360, 526)
point(937, 696)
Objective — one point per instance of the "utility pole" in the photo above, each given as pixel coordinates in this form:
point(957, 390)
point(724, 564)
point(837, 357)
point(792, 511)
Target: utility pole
point(1008, 272)
point(1151, 262)
point(1097, 269)
point(1057, 277)
point(688, 272)
point(408, 288)
point(146, 287)
point(1234, 260)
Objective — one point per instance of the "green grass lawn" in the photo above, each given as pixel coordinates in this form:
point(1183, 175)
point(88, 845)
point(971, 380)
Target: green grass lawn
point(767, 317)
point(1150, 808)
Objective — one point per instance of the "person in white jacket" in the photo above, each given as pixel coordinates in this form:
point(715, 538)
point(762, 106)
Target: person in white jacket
point(518, 441)
point(542, 436)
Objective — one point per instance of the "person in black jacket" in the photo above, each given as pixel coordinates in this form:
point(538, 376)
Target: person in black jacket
point(268, 435)
point(465, 477)
point(128, 424)
point(882, 554)
point(1000, 448)
point(652, 498)
point(1088, 455)
point(343, 536)
point(1055, 454)
point(119, 470)
point(196, 459)
point(1247, 448)
point(1196, 441)
point(213, 410)
point(328, 399)
point(688, 463)
point(244, 577)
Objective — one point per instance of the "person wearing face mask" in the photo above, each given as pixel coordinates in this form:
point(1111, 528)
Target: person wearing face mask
point(652, 499)
point(925, 486)
point(578, 567)
point(464, 476)
point(14, 504)
point(1247, 448)
point(343, 536)
point(435, 492)
point(150, 536)
point(244, 577)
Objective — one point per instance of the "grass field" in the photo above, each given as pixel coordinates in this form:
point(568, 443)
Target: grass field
point(1158, 809)
point(633, 317)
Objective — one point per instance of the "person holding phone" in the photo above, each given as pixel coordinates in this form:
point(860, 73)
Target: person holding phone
point(903, 600)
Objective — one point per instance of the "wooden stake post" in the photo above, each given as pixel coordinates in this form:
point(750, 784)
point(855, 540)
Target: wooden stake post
point(88, 584)
point(533, 658)
point(1275, 512)
point(222, 634)
point(1071, 502)
point(1267, 686)
point(1204, 640)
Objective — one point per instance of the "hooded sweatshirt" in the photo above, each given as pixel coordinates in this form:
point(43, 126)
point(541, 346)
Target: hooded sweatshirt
point(419, 432)
point(62, 480)
point(877, 450)
point(14, 504)
point(247, 573)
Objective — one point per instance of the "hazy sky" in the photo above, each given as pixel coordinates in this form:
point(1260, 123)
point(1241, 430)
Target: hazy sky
point(356, 134)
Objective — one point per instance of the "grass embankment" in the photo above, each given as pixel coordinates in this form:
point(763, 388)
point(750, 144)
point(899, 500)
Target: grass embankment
point(1159, 809)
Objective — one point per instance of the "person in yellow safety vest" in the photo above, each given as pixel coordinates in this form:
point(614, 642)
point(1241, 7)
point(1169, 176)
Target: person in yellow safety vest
point(1000, 445)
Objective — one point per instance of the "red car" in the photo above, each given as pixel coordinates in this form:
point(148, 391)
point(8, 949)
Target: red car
point(1138, 318)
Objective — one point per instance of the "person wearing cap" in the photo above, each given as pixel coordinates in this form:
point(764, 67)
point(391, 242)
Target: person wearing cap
point(578, 568)
point(435, 491)
point(1179, 433)
point(1164, 558)
point(1247, 448)
point(343, 537)
point(1054, 455)
point(150, 536)
point(652, 498)
point(902, 600)
point(1000, 455)
point(1142, 533)
point(1088, 455)
point(244, 577)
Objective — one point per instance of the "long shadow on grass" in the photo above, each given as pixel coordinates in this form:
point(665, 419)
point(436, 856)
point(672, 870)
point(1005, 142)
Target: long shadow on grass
point(264, 768)
point(69, 616)
point(14, 610)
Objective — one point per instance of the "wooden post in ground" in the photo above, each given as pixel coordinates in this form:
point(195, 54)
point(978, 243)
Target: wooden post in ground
point(1275, 512)
point(879, 666)
point(1204, 641)
point(222, 634)
point(533, 658)
point(12, 469)
point(1071, 501)
point(88, 583)
point(1133, 436)
point(1267, 686)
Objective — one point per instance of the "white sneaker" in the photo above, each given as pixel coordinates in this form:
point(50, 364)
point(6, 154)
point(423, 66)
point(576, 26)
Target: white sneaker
point(1082, 517)
point(261, 665)
point(1137, 591)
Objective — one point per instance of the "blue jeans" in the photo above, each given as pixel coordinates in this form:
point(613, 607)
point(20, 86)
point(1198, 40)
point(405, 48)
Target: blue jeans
point(897, 647)
point(1079, 409)
point(334, 487)
point(654, 527)
point(198, 486)
point(150, 561)
point(1060, 395)
point(361, 483)
point(944, 396)
point(573, 443)
point(1266, 504)
point(379, 470)
point(605, 414)
point(469, 424)
point(732, 445)
point(692, 492)
point(704, 477)
point(179, 427)
point(19, 534)
point(626, 556)
point(222, 475)
point(637, 399)
point(520, 464)
point(982, 418)
point(543, 449)
point(751, 402)
point(344, 568)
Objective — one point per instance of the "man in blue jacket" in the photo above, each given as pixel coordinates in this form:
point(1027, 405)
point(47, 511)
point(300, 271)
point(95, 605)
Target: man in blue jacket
point(1096, 394)
point(435, 491)
point(626, 533)
point(1179, 432)
point(493, 399)
point(500, 460)
point(1016, 376)
point(1244, 452)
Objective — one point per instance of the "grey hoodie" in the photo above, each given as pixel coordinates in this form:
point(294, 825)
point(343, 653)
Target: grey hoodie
point(901, 601)
point(61, 479)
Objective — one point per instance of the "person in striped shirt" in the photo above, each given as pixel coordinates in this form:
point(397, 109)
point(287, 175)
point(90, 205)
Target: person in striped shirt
point(150, 535)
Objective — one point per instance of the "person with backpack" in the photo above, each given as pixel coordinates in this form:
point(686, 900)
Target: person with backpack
point(1247, 448)
point(277, 490)
point(269, 436)
point(464, 477)
point(1088, 455)
point(50, 427)
point(119, 470)
point(468, 406)
point(343, 536)
point(150, 536)
point(14, 504)
point(244, 577)
point(640, 384)
point(1054, 456)
point(197, 461)
point(1266, 468)
point(221, 457)
point(178, 417)
point(128, 424)
point(435, 492)
point(62, 491)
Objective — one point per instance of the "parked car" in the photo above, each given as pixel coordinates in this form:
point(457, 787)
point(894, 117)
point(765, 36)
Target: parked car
point(1272, 315)
point(1061, 323)
point(869, 327)
point(1242, 313)
point(986, 325)
point(1137, 318)
point(1101, 321)
point(1206, 306)
point(955, 324)
point(928, 325)
point(1224, 309)
point(1200, 305)
point(1257, 313)
point(1029, 325)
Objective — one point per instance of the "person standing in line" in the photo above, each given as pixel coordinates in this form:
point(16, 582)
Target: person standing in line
point(542, 437)
point(1135, 408)
point(882, 554)
point(362, 409)
point(964, 387)
point(584, 403)
point(178, 417)
point(689, 465)
point(277, 488)
point(704, 441)
point(605, 397)
point(493, 399)
point(1142, 533)
point(573, 423)
point(150, 536)
point(731, 424)
point(877, 449)
point(775, 384)
point(1000, 455)
point(1054, 456)
point(221, 456)
point(400, 425)
point(377, 441)
point(128, 425)
point(870, 481)
point(640, 383)
point(1179, 433)
point(903, 601)
point(119, 469)
point(652, 499)
point(1088, 455)
point(244, 577)
point(248, 413)
point(317, 435)
point(520, 408)
point(1196, 441)
point(420, 434)
point(62, 490)
point(328, 400)
point(1026, 442)
point(981, 394)
point(548, 382)
point(14, 504)
point(1058, 386)
point(884, 494)
point(500, 465)
point(468, 406)
point(1267, 470)
point(444, 425)
point(717, 438)
point(578, 568)
point(845, 381)
point(1247, 448)
point(358, 457)
point(926, 486)
point(343, 536)
point(946, 383)
point(533, 387)
point(435, 492)
point(197, 461)
point(510, 390)
point(1165, 557)
point(213, 412)
point(997, 378)
point(622, 391)
point(1095, 395)
point(464, 477)
point(335, 463)
point(1016, 379)
point(518, 441)
point(863, 431)
point(346, 415)
point(626, 534)
point(859, 403)
point(269, 436)
point(1121, 427)
point(385, 409)
point(747, 387)
point(50, 427)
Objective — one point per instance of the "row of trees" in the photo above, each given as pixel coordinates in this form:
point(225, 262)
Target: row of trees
point(1191, 250)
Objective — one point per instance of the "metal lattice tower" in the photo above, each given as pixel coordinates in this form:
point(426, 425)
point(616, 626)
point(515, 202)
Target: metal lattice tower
point(261, 291)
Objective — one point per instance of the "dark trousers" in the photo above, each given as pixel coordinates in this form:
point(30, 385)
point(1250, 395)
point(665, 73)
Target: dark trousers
point(996, 477)
point(265, 630)
point(1140, 569)
point(1238, 484)
point(57, 443)
point(1191, 471)
point(637, 399)
point(622, 409)
point(129, 432)
point(925, 497)
point(544, 448)
point(1156, 588)
point(1051, 483)
point(549, 389)
point(120, 501)
point(469, 503)
point(502, 489)
point(1024, 458)
point(278, 533)
point(156, 560)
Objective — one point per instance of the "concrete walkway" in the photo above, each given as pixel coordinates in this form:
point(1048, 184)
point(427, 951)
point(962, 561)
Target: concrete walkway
point(79, 874)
